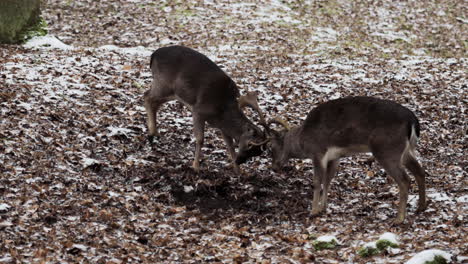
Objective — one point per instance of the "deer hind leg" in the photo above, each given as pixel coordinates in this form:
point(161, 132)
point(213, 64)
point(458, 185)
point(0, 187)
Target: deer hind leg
point(415, 168)
point(199, 131)
point(331, 170)
point(393, 167)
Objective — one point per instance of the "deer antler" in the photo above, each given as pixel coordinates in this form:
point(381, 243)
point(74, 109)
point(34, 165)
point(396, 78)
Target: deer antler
point(251, 99)
point(279, 121)
point(259, 143)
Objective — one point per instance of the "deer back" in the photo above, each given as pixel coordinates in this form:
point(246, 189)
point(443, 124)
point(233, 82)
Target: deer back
point(193, 78)
point(352, 122)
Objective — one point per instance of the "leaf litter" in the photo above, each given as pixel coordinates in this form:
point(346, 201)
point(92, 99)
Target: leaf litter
point(80, 183)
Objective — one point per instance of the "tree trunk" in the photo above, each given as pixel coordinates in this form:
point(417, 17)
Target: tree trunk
point(15, 17)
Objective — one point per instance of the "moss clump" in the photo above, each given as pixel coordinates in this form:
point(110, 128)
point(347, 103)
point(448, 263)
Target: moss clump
point(383, 244)
point(437, 260)
point(374, 249)
point(38, 29)
point(321, 245)
point(368, 251)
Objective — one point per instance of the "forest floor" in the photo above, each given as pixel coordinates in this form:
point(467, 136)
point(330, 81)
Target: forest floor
point(79, 182)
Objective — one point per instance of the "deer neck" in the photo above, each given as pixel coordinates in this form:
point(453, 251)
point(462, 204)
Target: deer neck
point(292, 144)
point(232, 123)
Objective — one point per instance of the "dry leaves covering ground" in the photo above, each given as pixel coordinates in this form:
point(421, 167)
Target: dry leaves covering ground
point(80, 184)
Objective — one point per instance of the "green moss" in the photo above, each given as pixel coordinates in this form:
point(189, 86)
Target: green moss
point(321, 245)
point(384, 244)
point(368, 251)
point(437, 260)
point(137, 85)
point(38, 29)
point(380, 246)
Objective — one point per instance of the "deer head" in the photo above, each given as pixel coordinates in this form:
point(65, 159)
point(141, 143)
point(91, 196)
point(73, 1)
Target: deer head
point(253, 141)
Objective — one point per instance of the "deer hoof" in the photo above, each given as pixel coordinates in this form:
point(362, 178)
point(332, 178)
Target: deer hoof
point(398, 221)
point(237, 170)
point(316, 212)
point(196, 167)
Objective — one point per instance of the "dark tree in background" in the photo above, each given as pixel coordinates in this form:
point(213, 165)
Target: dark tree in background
point(16, 17)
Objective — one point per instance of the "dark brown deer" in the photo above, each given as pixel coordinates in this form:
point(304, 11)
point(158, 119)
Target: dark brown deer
point(350, 125)
point(183, 74)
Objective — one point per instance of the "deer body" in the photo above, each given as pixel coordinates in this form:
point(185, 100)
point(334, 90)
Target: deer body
point(345, 126)
point(183, 74)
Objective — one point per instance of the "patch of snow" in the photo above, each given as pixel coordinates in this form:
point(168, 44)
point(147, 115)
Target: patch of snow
point(261, 246)
point(274, 11)
point(80, 246)
point(428, 255)
point(4, 207)
point(135, 51)
point(188, 189)
point(6, 259)
point(390, 237)
point(436, 197)
point(462, 20)
point(323, 87)
point(393, 251)
point(165, 226)
point(75, 91)
point(25, 106)
point(439, 197)
point(88, 162)
point(327, 239)
point(133, 160)
point(113, 194)
point(371, 244)
point(462, 199)
point(6, 224)
point(392, 36)
point(48, 42)
point(324, 34)
point(118, 131)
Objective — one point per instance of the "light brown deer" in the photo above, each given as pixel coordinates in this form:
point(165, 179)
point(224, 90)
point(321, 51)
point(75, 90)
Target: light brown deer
point(350, 125)
point(183, 74)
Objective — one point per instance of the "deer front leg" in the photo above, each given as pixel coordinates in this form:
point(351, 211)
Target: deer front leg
point(152, 105)
point(199, 131)
point(151, 114)
point(330, 173)
point(232, 152)
point(319, 174)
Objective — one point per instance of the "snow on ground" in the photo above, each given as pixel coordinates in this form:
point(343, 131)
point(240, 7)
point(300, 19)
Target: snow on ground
point(49, 42)
point(391, 237)
point(102, 108)
point(429, 255)
point(328, 239)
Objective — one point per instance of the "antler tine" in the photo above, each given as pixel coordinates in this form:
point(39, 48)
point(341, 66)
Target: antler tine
point(251, 99)
point(279, 121)
point(259, 143)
